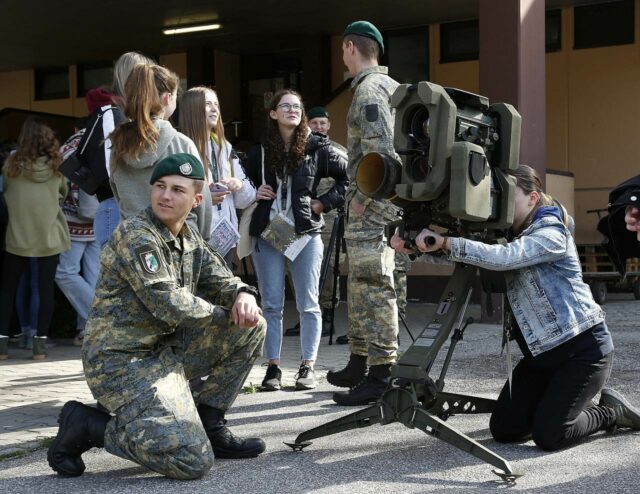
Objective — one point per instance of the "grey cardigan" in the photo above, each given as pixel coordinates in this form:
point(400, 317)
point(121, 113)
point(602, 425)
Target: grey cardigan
point(130, 178)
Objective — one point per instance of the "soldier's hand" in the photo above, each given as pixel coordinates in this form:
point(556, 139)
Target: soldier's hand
point(357, 207)
point(245, 310)
point(398, 244)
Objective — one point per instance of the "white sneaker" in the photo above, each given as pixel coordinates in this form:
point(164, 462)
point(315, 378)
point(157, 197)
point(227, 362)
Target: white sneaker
point(306, 377)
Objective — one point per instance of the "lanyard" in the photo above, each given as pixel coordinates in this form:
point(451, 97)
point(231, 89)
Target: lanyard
point(284, 191)
point(215, 173)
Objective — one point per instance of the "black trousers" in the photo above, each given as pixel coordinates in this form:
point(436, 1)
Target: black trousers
point(12, 268)
point(552, 405)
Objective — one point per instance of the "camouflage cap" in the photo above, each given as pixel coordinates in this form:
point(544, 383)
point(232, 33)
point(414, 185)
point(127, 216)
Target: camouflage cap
point(183, 164)
point(317, 112)
point(366, 29)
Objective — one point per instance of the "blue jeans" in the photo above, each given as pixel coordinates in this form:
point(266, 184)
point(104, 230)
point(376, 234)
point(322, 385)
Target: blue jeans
point(105, 221)
point(305, 272)
point(79, 289)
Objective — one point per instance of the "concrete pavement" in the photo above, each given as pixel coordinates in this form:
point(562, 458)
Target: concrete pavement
point(377, 459)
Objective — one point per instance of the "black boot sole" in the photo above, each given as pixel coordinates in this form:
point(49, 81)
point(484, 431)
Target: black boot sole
point(346, 402)
point(64, 420)
point(342, 382)
point(237, 455)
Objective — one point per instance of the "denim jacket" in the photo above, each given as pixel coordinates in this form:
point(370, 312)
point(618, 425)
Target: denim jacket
point(548, 297)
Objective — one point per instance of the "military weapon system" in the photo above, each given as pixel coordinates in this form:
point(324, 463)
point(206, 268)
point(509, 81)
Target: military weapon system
point(455, 151)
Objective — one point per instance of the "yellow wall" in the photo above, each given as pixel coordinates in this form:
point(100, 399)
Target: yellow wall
point(461, 75)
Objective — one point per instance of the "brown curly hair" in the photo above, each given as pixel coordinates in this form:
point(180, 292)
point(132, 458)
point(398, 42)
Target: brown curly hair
point(275, 154)
point(36, 140)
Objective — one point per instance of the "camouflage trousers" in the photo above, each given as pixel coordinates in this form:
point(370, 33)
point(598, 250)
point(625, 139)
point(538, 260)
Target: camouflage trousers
point(371, 301)
point(160, 428)
point(403, 265)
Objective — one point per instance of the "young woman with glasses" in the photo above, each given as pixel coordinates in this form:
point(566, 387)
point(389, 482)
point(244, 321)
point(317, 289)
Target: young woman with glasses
point(294, 160)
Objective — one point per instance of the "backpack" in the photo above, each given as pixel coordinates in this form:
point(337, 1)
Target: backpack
point(86, 167)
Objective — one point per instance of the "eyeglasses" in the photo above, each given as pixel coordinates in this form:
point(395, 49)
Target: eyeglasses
point(287, 107)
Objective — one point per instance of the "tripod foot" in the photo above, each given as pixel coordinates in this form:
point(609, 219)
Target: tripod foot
point(509, 478)
point(299, 446)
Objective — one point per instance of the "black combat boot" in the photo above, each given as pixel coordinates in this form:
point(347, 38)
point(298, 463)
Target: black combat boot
point(369, 390)
point(626, 416)
point(81, 428)
point(351, 375)
point(225, 444)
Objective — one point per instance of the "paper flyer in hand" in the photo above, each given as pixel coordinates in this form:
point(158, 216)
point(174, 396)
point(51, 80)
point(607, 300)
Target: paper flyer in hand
point(224, 236)
point(281, 234)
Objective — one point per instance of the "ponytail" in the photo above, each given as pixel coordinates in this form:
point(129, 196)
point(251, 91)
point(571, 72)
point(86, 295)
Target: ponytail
point(143, 101)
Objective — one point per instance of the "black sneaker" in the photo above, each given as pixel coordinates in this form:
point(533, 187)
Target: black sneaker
point(306, 377)
point(368, 391)
point(626, 415)
point(273, 378)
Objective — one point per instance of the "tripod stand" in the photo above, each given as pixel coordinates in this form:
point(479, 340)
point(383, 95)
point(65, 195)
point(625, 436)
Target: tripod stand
point(413, 398)
point(336, 242)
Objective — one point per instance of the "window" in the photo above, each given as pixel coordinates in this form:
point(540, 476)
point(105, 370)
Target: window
point(51, 83)
point(93, 75)
point(604, 24)
point(407, 54)
point(553, 30)
point(459, 41)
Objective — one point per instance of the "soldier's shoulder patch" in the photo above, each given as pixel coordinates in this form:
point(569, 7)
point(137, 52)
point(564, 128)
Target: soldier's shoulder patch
point(150, 259)
point(371, 112)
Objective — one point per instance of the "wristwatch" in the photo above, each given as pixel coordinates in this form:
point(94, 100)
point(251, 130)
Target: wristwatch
point(247, 289)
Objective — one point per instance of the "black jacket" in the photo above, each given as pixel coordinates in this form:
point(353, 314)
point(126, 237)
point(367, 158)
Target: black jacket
point(620, 243)
point(321, 160)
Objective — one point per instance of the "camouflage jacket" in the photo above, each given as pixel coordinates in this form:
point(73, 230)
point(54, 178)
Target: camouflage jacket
point(370, 123)
point(151, 284)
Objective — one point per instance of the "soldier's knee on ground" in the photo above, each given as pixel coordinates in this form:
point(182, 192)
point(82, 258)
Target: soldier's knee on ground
point(185, 463)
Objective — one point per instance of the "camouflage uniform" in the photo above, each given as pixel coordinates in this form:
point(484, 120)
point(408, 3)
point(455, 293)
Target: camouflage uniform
point(371, 297)
point(153, 326)
point(403, 265)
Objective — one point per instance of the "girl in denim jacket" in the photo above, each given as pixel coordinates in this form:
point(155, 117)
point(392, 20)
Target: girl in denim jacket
point(558, 326)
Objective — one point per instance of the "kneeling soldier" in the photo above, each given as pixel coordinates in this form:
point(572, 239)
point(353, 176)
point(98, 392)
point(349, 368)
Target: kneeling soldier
point(166, 310)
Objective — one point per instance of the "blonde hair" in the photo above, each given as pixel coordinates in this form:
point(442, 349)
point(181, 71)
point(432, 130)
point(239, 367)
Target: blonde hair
point(143, 100)
point(123, 67)
point(193, 122)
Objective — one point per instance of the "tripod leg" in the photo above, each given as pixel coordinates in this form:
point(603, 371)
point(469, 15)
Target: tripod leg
point(338, 229)
point(406, 326)
point(447, 404)
point(362, 418)
point(433, 425)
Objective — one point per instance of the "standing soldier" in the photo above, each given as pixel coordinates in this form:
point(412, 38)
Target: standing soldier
point(371, 297)
point(166, 309)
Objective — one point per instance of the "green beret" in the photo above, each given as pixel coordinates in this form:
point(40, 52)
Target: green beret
point(366, 29)
point(317, 112)
point(183, 164)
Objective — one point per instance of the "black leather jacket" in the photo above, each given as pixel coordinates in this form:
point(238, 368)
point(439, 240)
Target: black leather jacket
point(322, 160)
